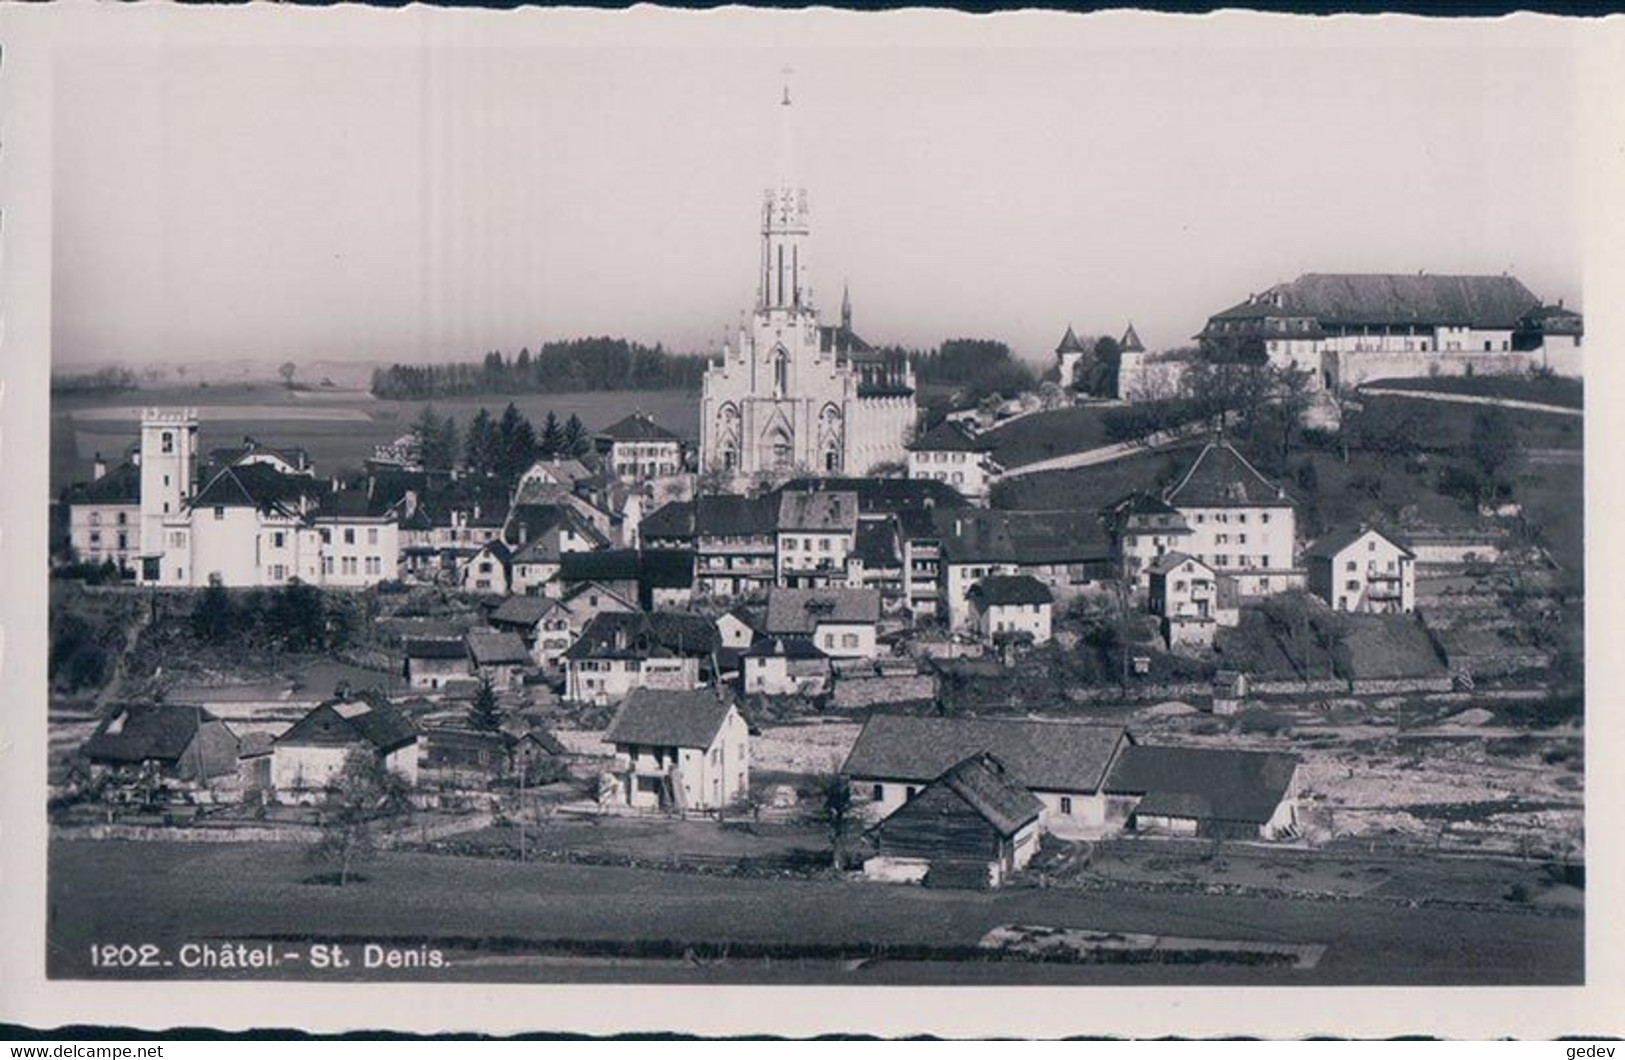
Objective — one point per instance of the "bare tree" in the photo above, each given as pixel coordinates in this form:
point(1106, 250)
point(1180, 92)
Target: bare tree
point(286, 371)
point(364, 793)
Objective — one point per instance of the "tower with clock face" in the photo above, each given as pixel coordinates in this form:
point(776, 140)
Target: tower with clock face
point(792, 397)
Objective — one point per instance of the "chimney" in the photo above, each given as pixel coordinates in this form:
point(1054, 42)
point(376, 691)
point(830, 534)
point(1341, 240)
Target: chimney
point(98, 468)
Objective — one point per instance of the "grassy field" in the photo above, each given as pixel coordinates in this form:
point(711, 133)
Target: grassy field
point(337, 428)
point(166, 893)
point(1568, 393)
point(1093, 487)
point(1045, 435)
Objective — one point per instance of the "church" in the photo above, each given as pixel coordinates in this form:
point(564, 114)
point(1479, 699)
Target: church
point(792, 396)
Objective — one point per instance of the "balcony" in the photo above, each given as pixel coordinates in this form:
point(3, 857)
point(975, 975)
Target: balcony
point(1385, 590)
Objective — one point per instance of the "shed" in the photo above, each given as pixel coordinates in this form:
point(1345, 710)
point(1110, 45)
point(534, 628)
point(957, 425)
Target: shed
point(973, 826)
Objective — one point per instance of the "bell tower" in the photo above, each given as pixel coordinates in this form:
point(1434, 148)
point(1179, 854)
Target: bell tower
point(785, 229)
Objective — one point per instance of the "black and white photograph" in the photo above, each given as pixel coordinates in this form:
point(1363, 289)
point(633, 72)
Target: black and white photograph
point(776, 499)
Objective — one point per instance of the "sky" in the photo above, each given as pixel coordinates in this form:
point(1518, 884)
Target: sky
point(432, 196)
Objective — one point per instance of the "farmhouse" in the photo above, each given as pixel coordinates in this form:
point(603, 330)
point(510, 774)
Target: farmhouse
point(1192, 600)
point(306, 758)
point(543, 623)
point(950, 453)
point(432, 662)
point(679, 751)
point(176, 741)
point(972, 826)
point(1241, 524)
point(841, 622)
point(785, 666)
point(617, 653)
point(637, 448)
point(1068, 552)
point(1009, 606)
point(1361, 569)
point(1214, 792)
point(498, 657)
point(1064, 764)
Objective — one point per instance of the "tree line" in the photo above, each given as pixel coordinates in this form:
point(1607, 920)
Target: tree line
point(503, 446)
point(572, 365)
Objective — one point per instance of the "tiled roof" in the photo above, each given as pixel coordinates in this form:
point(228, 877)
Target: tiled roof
point(673, 519)
point(603, 565)
point(832, 338)
point(727, 515)
point(435, 648)
point(365, 717)
point(950, 437)
point(492, 648)
point(1043, 755)
point(886, 495)
point(986, 785)
point(999, 590)
point(1354, 299)
point(784, 648)
point(876, 544)
point(1337, 540)
point(800, 611)
point(121, 485)
point(986, 536)
point(255, 486)
point(831, 511)
point(637, 427)
point(525, 611)
point(146, 732)
point(1131, 341)
point(1219, 783)
point(1221, 477)
point(1168, 561)
point(1069, 342)
point(641, 635)
point(665, 718)
point(227, 456)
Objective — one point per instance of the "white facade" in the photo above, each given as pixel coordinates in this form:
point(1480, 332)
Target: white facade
point(1369, 574)
point(703, 778)
point(102, 532)
point(298, 768)
point(1254, 545)
point(996, 620)
point(970, 473)
point(168, 471)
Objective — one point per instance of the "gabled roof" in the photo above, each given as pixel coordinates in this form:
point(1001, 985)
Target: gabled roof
point(1221, 477)
point(1209, 782)
point(784, 648)
point(121, 485)
point(1131, 341)
point(832, 511)
point(525, 611)
point(1003, 590)
point(435, 648)
point(833, 338)
point(1337, 540)
point(728, 515)
point(641, 635)
point(666, 718)
point(227, 456)
point(886, 495)
point(1042, 755)
point(987, 786)
point(1069, 342)
point(876, 544)
point(528, 523)
point(146, 732)
point(1168, 561)
point(986, 536)
point(255, 486)
point(949, 436)
point(367, 718)
point(802, 611)
point(666, 568)
point(672, 519)
point(494, 648)
point(637, 427)
point(1354, 299)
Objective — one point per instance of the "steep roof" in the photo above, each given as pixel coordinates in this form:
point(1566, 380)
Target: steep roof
point(255, 486)
point(729, 515)
point(121, 485)
point(666, 568)
point(833, 338)
point(366, 718)
point(800, 611)
point(1221, 477)
point(645, 635)
point(833, 511)
point(225, 456)
point(668, 718)
point(987, 786)
point(146, 732)
point(1002, 590)
point(1043, 755)
point(876, 544)
point(672, 519)
point(525, 611)
point(528, 523)
point(1169, 560)
point(603, 565)
point(949, 436)
point(1213, 783)
point(1131, 341)
point(784, 648)
point(435, 648)
point(1070, 343)
point(493, 648)
point(1336, 540)
point(638, 427)
point(1353, 299)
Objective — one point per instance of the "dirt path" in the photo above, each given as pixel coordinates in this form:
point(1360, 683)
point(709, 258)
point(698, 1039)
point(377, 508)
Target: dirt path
point(1473, 399)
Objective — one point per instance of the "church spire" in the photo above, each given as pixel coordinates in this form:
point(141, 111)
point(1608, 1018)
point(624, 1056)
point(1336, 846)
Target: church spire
point(784, 227)
point(846, 308)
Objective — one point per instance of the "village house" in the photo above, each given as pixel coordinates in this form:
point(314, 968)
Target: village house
point(784, 666)
point(1192, 600)
point(950, 453)
point(843, 623)
point(973, 826)
point(1220, 793)
point(738, 627)
point(359, 535)
point(543, 476)
point(460, 752)
point(541, 535)
point(617, 653)
point(1143, 528)
point(498, 657)
point(104, 516)
point(1006, 607)
point(736, 544)
point(654, 578)
point(680, 752)
point(876, 561)
point(1064, 764)
point(587, 600)
point(307, 758)
point(1241, 524)
point(488, 570)
point(288, 460)
point(433, 663)
point(1362, 569)
point(669, 526)
point(1069, 552)
point(171, 741)
point(638, 449)
point(816, 532)
point(541, 622)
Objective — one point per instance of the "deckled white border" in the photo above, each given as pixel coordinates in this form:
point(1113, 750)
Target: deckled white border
point(29, 35)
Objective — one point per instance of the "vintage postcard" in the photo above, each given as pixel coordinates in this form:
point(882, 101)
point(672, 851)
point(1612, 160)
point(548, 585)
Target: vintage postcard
point(544, 508)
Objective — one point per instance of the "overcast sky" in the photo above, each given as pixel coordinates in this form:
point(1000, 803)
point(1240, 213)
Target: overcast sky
point(433, 201)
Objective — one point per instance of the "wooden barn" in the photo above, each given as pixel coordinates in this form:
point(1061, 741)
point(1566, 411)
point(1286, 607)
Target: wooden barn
point(973, 826)
point(1208, 791)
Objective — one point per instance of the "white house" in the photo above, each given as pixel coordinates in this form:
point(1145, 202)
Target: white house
point(306, 759)
point(1362, 569)
point(1007, 606)
point(104, 516)
point(543, 623)
point(1192, 599)
point(816, 532)
point(488, 570)
point(637, 449)
point(680, 751)
point(784, 666)
point(1240, 523)
point(950, 453)
point(433, 663)
point(841, 622)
